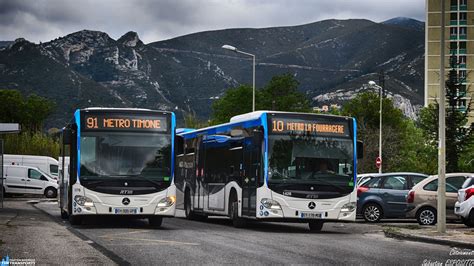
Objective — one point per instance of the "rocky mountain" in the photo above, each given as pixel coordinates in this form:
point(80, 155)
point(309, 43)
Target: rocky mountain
point(332, 59)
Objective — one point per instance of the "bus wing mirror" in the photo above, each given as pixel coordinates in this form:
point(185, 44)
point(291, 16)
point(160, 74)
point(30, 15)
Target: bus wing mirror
point(67, 136)
point(360, 149)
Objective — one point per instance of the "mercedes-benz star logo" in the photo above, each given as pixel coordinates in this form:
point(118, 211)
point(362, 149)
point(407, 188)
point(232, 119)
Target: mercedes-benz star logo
point(311, 205)
point(125, 184)
point(126, 201)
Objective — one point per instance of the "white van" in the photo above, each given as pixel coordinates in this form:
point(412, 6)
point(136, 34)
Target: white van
point(47, 164)
point(21, 179)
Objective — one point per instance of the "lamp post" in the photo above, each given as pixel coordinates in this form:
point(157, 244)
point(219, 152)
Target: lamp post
point(372, 84)
point(232, 48)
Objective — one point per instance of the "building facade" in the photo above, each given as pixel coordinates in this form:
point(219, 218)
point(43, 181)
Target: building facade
point(459, 42)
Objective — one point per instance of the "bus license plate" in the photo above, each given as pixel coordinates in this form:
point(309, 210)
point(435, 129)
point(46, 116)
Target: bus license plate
point(312, 215)
point(126, 211)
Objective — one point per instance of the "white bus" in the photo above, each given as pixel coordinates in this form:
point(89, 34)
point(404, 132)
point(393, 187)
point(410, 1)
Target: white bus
point(118, 162)
point(46, 164)
point(270, 166)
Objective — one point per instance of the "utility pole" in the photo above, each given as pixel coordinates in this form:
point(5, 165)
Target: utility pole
point(441, 207)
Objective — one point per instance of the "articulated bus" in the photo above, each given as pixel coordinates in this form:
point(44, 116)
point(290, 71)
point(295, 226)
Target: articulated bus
point(270, 166)
point(117, 161)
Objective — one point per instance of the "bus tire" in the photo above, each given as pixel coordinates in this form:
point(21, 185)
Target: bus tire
point(155, 221)
point(316, 226)
point(237, 222)
point(75, 220)
point(64, 214)
point(187, 206)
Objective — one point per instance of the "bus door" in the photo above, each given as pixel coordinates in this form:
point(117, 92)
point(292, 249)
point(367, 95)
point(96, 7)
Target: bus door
point(199, 190)
point(251, 173)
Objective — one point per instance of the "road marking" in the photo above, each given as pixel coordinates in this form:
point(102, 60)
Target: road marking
point(126, 233)
point(155, 241)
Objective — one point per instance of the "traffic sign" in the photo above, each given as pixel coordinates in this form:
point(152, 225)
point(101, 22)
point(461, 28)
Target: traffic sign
point(378, 162)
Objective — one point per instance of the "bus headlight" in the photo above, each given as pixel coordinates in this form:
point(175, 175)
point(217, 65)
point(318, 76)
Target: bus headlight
point(270, 204)
point(83, 201)
point(348, 207)
point(167, 202)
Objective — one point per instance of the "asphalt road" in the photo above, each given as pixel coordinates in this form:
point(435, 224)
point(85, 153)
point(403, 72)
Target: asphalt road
point(215, 241)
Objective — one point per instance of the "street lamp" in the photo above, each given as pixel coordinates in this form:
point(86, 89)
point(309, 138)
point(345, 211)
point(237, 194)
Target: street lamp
point(232, 48)
point(372, 84)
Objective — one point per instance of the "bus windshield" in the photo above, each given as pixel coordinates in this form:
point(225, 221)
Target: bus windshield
point(127, 155)
point(325, 162)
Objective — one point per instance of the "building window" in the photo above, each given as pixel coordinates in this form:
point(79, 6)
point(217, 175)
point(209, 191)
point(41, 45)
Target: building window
point(462, 2)
point(453, 45)
point(462, 45)
point(462, 59)
point(454, 16)
point(463, 31)
point(454, 2)
point(453, 31)
point(462, 16)
point(462, 74)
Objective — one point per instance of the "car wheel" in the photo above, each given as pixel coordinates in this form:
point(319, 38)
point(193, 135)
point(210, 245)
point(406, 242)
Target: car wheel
point(316, 226)
point(372, 212)
point(469, 221)
point(426, 216)
point(50, 192)
point(155, 221)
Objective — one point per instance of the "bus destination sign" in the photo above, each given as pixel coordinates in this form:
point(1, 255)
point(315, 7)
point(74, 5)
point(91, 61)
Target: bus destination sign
point(311, 127)
point(117, 122)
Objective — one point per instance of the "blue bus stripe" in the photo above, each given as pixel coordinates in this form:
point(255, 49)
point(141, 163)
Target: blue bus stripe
point(77, 117)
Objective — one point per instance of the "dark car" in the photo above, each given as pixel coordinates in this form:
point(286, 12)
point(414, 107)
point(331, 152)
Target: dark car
point(384, 195)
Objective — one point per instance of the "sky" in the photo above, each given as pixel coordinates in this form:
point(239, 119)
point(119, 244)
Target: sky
point(155, 20)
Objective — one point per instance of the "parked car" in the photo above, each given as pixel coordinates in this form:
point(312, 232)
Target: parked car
point(384, 195)
point(423, 198)
point(464, 207)
point(21, 179)
point(362, 178)
point(46, 164)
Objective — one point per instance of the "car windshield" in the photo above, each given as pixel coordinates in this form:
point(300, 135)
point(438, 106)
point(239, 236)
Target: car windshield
point(315, 160)
point(111, 155)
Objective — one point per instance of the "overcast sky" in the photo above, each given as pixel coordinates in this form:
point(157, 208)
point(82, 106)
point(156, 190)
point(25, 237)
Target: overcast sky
point(43, 20)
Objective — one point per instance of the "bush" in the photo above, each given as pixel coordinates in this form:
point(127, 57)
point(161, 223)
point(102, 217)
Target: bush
point(31, 144)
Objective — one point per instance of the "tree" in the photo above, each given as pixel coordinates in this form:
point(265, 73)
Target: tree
point(281, 94)
point(397, 133)
point(234, 102)
point(30, 112)
point(459, 135)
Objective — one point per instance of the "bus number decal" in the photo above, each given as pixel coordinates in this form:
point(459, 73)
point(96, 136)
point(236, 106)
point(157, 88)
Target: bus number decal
point(278, 126)
point(92, 122)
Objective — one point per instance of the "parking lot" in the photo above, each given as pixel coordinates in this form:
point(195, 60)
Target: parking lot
point(125, 241)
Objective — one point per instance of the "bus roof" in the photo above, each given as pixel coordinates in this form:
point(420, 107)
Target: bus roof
point(121, 109)
point(248, 117)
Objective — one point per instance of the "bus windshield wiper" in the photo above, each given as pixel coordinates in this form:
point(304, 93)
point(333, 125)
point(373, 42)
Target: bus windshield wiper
point(341, 189)
point(155, 183)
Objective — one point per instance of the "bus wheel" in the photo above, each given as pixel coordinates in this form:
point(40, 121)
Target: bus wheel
point(316, 226)
point(187, 206)
point(155, 221)
point(237, 221)
point(75, 220)
point(64, 214)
